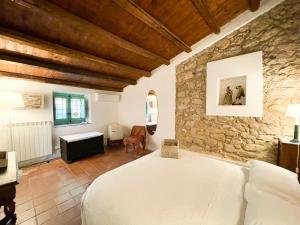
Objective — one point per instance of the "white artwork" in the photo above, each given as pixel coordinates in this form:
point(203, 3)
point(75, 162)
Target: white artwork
point(234, 86)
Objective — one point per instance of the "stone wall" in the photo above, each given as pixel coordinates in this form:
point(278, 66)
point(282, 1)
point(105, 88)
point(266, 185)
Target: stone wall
point(277, 34)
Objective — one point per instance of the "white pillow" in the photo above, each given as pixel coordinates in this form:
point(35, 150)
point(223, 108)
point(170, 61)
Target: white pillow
point(274, 180)
point(267, 209)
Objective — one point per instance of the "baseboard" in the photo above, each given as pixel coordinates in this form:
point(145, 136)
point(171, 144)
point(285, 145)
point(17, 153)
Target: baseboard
point(39, 159)
point(46, 158)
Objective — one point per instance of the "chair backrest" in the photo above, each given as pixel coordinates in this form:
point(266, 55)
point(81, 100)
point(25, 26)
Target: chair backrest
point(138, 131)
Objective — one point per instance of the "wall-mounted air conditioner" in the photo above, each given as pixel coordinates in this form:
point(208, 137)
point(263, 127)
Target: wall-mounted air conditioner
point(105, 97)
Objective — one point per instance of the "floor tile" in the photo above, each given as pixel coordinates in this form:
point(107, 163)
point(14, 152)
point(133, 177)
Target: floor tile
point(78, 198)
point(72, 213)
point(41, 199)
point(24, 207)
point(56, 220)
point(74, 221)
point(22, 217)
point(44, 206)
point(31, 221)
point(78, 190)
point(45, 216)
point(22, 199)
point(66, 205)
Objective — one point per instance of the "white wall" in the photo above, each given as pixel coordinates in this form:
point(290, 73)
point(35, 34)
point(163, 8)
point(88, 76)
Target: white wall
point(132, 105)
point(102, 113)
point(163, 82)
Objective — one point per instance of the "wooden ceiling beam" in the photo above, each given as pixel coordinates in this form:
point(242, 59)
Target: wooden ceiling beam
point(58, 81)
point(254, 5)
point(64, 69)
point(25, 40)
point(138, 12)
point(202, 9)
point(47, 12)
point(21, 68)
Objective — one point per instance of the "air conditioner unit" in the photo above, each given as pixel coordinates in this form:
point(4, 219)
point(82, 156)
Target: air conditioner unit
point(101, 97)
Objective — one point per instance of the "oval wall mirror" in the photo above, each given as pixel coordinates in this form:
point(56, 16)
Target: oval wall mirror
point(151, 113)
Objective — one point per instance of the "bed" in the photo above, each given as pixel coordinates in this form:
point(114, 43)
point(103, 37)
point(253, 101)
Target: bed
point(194, 189)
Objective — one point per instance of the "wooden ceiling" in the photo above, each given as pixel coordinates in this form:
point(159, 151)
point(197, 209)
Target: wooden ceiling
point(104, 44)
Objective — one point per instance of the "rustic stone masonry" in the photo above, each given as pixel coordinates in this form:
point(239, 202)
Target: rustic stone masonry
point(277, 34)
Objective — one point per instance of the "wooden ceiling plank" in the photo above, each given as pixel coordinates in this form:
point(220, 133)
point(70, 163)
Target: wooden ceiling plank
point(254, 5)
point(49, 9)
point(138, 12)
point(202, 8)
point(64, 69)
point(57, 81)
point(22, 39)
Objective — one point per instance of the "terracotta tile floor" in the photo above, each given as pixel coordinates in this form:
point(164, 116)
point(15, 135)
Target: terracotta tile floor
point(50, 193)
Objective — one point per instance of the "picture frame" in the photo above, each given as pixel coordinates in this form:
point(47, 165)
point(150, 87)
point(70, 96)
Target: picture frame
point(33, 100)
point(234, 86)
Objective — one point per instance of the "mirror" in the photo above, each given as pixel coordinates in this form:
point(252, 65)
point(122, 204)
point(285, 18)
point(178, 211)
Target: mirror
point(151, 112)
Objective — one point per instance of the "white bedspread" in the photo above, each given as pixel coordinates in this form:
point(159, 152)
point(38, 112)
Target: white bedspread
point(192, 190)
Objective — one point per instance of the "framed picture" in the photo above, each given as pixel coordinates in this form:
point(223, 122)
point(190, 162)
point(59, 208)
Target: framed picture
point(33, 100)
point(234, 86)
point(232, 91)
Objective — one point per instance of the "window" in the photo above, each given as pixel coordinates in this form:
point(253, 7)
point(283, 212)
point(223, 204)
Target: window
point(69, 108)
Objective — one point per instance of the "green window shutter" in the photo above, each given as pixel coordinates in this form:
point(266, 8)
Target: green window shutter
point(60, 108)
point(69, 108)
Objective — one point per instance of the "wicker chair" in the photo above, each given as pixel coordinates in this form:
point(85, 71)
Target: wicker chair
point(137, 137)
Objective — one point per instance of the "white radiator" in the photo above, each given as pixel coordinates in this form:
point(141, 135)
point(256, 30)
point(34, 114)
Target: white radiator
point(31, 140)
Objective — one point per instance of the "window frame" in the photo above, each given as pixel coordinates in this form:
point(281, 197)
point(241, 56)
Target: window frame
point(69, 120)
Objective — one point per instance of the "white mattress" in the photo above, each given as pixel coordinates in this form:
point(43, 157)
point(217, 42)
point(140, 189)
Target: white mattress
point(81, 136)
point(193, 190)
